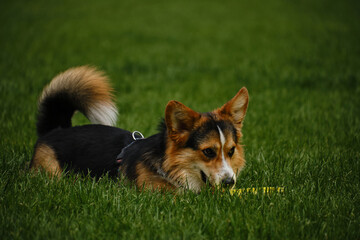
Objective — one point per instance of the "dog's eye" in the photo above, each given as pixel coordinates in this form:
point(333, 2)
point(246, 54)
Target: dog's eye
point(231, 152)
point(209, 152)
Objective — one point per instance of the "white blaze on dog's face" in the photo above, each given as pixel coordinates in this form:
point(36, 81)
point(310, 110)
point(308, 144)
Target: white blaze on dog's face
point(204, 148)
point(226, 172)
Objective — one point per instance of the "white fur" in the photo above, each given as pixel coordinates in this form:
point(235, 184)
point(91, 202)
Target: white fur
point(225, 170)
point(193, 182)
point(102, 113)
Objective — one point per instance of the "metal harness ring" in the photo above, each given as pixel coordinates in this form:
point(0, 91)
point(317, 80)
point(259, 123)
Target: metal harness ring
point(137, 138)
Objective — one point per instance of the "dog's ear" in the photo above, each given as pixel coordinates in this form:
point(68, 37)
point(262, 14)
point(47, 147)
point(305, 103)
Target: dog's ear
point(179, 121)
point(235, 109)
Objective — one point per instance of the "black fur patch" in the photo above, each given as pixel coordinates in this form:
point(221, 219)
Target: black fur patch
point(88, 148)
point(204, 178)
point(149, 151)
point(199, 134)
point(55, 111)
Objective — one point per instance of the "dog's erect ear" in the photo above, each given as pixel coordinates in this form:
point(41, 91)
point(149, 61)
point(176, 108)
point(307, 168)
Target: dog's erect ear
point(179, 120)
point(235, 109)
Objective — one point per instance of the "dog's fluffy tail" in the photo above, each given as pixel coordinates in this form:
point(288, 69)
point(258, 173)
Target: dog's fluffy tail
point(82, 88)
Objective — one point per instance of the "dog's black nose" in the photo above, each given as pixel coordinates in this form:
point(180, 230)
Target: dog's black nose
point(228, 182)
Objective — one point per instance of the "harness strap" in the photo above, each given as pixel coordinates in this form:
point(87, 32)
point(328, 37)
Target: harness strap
point(136, 135)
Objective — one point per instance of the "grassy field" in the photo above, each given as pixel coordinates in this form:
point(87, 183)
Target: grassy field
point(300, 61)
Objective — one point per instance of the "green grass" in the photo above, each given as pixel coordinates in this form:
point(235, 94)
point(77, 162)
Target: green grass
point(300, 61)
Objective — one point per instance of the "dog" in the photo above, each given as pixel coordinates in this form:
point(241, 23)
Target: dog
point(190, 151)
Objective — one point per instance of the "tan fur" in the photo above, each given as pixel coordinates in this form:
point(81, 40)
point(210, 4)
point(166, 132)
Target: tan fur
point(83, 77)
point(183, 164)
point(238, 159)
point(148, 180)
point(180, 165)
point(180, 168)
point(179, 120)
point(45, 159)
point(90, 88)
point(235, 109)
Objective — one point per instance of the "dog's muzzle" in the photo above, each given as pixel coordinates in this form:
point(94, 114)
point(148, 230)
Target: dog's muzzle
point(228, 182)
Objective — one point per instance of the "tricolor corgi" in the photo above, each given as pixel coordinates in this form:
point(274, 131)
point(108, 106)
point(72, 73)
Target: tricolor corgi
point(190, 151)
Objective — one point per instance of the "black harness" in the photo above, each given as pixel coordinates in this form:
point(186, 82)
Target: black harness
point(136, 135)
